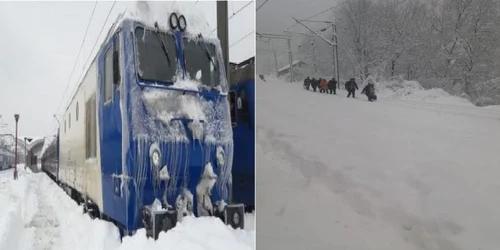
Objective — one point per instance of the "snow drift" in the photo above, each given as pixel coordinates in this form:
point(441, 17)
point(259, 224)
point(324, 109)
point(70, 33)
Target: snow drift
point(413, 91)
point(35, 213)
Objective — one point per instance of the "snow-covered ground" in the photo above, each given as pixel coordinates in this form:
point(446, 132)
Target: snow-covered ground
point(413, 91)
point(338, 173)
point(36, 214)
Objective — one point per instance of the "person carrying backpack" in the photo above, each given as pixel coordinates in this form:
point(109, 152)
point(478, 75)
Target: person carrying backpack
point(314, 84)
point(332, 86)
point(351, 86)
point(307, 83)
point(369, 91)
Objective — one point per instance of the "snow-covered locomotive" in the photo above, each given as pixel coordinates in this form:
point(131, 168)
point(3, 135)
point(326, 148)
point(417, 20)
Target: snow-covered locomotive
point(147, 137)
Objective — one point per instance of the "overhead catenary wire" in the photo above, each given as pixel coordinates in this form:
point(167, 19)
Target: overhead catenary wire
point(241, 39)
point(78, 56)
point(93, 47)
point(235, 13)
point(355, 17)
point(319, 13)
point(260, 6)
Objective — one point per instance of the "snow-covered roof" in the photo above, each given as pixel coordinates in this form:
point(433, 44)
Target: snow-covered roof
point(294, 64)
point(150, 12)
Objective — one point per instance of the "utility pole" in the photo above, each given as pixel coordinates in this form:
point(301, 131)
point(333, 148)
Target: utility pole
point(333, 43)
point(276, 62)
point(292, 78)
point(335, 54)
point(222, 34)
point(276, 67)
point(280, 37)
point(313, 44)
point(16, 117)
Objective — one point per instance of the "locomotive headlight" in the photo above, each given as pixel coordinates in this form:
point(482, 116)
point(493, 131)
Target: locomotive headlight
point(155, 155)
point(155, 158)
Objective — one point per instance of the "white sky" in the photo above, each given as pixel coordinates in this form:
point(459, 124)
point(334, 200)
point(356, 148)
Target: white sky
point(39, 45)
point(273, 18)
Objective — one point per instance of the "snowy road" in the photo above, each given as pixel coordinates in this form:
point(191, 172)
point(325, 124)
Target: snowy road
point(338, 173)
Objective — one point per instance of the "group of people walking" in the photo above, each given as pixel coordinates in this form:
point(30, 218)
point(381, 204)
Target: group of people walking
point(330, 87)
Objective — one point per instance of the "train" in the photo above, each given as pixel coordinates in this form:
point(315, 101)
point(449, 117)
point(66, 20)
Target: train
point(147, 138)
point(6, 159)
point(242, 98)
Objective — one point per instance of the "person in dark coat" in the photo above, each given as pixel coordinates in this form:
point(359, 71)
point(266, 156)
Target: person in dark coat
point(261, 76)
point(351, 86)
point(307, 83)
point(369, 91)
point(332, 86)
point(314, 84)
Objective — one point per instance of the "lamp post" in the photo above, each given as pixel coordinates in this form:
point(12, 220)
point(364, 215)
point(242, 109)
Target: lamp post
point(16, 116)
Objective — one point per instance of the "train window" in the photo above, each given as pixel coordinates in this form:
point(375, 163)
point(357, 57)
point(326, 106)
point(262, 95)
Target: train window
point(116, 60)
point(90, 128)
point(232, 106)
point(108, 75)
point(156, 55)
point(76, 111)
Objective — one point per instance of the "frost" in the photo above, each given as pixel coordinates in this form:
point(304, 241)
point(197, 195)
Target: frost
point(221, 205)
point(156, 206)
point(186, 84)
point(164, 173)
point(204, 190)
point(184, 204)
point(196, 128)
point(91, 161)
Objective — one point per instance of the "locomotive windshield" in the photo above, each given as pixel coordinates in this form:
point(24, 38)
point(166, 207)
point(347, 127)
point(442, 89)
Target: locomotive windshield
point(156, 55)
point(201, 62)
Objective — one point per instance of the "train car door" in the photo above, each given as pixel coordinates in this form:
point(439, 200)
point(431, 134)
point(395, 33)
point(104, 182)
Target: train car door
point(110, 123)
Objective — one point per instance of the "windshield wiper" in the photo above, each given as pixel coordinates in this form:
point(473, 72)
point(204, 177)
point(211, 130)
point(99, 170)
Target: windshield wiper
point(208, 54)
point(162, 44)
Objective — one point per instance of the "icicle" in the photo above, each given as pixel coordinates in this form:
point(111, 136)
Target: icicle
point(204, 189)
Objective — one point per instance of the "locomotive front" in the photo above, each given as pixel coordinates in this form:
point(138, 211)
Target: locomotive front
point(179, 145)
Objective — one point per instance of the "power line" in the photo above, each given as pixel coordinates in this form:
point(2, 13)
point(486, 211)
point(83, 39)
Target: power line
point(241, 39)
point(355, 17)
point(317, 14)
point(234, 14)
point(78, 56)
point(93, 47)
point(261, 5)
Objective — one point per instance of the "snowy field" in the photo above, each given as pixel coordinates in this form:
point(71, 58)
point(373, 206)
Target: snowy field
point(338, 173)
point(36, 214)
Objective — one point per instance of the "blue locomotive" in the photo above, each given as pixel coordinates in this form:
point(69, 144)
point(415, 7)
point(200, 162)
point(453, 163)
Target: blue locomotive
point(147, 137)
point(242, 96)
